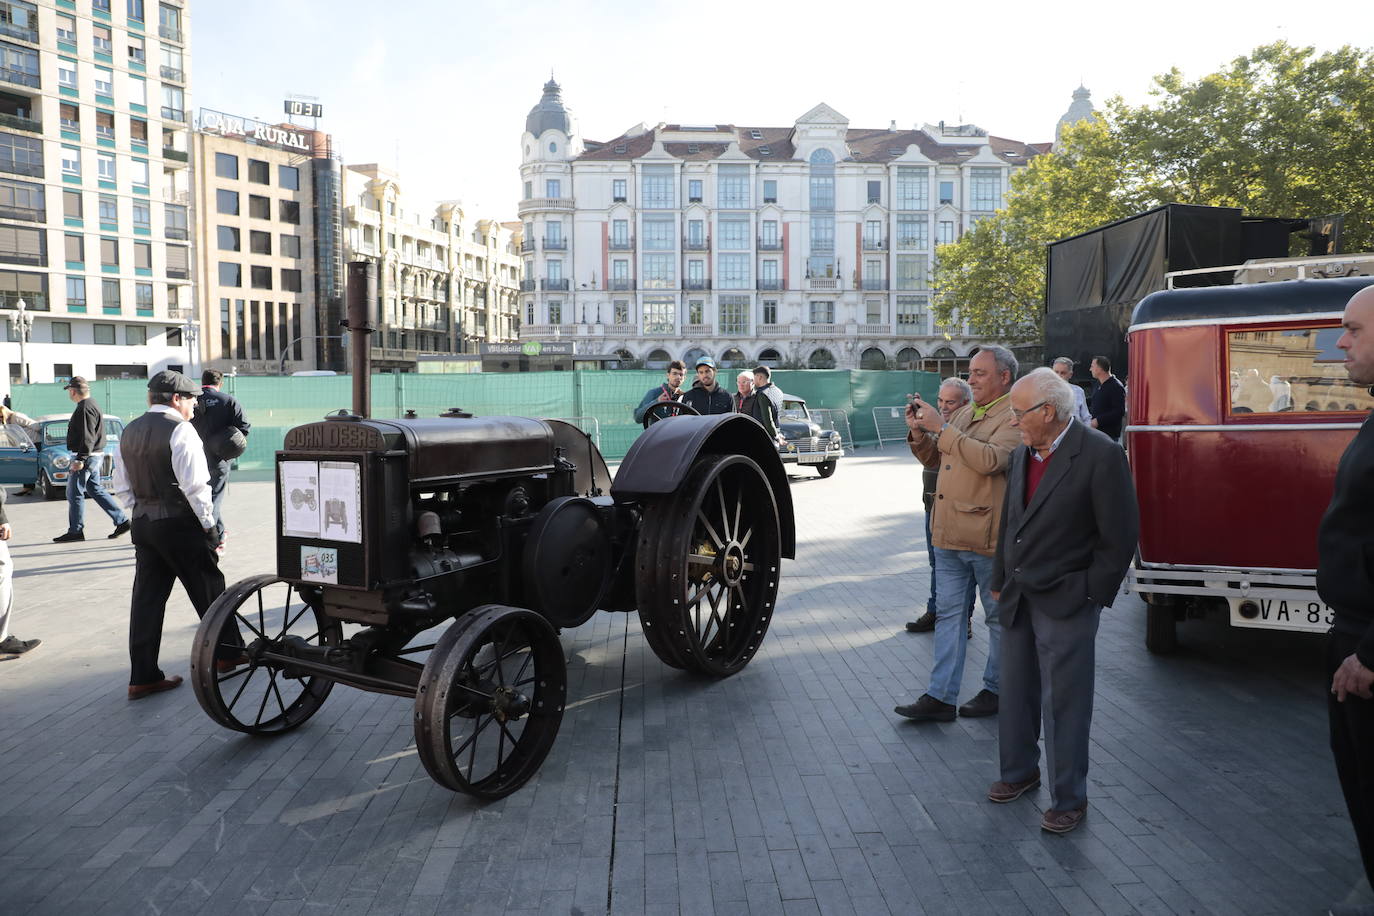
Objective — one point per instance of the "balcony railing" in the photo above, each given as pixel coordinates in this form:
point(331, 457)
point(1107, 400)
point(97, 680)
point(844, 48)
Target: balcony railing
point(659, 329)
point(823, 283)
point(18, 122)
point(875, 329)
point(773, 330)
point(176, 232)
point(823, 329)
point(546, 203)
point(875, 244)
point(622, 244)
point(770, 284)
point(526, 245)
point(770, 244)
point(621, 285)
point(559, 285)
point(19, 77)
point(176, 197)
point(32, 214)
point(173, 114)
point(175, 155)
point(910, 243)
point(697, 244)
point(696, 330)
point(696, 284)
point(18, 31)
point(527, 285)
point(622, 329)
point(555, 244)
point(171, 73)
point(32, 169)
point(179, 273)
point(170, 32)
point(873, 283)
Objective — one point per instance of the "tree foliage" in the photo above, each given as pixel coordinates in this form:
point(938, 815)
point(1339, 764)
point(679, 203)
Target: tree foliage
point(1283, 131)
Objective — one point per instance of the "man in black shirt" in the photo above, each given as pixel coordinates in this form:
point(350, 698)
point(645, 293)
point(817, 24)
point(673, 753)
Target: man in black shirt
point(86, 442)
point(705, 395)
point(1345, 581)
point(1108, 405)
point(218, 416)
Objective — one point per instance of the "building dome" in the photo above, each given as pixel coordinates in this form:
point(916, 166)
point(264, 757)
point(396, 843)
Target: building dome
point(550, 113)
point(1080, 109)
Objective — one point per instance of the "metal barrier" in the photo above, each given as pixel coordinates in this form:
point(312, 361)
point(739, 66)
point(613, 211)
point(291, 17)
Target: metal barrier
point(589, 425)
point(890, 423)
point(834, 419)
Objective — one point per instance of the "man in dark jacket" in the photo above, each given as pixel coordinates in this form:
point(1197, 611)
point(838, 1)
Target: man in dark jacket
point(705, 396)
point(86, 442)
point(753, 403)
point(217, 415)
point(1108, 405)
point(670, 390)
point(1345, 581)
point(160, 473)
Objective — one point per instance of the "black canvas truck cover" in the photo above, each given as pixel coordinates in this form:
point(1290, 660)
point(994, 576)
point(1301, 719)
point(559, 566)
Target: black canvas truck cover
point(1094, 280)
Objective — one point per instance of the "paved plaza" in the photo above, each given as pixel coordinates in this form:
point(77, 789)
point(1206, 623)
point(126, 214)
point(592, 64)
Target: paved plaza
point(790, 788)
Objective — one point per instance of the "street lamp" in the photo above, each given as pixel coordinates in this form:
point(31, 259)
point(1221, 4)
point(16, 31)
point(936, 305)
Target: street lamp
point(191, 330)
point(22, 322)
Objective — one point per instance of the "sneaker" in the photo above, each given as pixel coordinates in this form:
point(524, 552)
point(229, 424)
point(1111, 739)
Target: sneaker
point(983, 704)
point(927, 709)
point(923, 624)
point(69, 536)
point(14, 646)
point(1003, 792)
point(120, 530)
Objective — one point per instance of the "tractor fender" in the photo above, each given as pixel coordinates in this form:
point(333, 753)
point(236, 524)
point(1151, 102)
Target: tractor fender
point(660, 459)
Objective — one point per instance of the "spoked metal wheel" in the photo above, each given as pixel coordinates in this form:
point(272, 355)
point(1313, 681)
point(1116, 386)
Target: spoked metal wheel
point(490, 701)
point(708, 562)
point(237, 669)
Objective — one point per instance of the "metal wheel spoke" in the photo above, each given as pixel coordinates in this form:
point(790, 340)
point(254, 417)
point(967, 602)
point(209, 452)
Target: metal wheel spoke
point(262, 707)
point(500, 654)
point(744, 541)
point(710, 529)
point(513, 742)
point(715, 615)
point(523, 665)
point(262, 621)
point(249, 624)
point(471, 743)
point(700, 559)
point(695, 599)
point(720, 496)
point(276, 690)
point(251, 672)
point(734, 529)
point(292, 622)
point(229, 676)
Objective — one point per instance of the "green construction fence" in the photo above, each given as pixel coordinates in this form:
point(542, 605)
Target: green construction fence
point(275, 404)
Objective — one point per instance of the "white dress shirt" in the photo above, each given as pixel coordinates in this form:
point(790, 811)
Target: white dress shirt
point(188, 465)
point(1057, 439)
point(1080, 404)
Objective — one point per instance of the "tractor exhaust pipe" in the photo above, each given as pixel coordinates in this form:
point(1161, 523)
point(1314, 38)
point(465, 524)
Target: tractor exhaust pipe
point(362, 299)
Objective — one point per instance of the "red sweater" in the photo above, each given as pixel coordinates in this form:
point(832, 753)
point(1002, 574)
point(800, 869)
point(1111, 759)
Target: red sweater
point(1035, 472)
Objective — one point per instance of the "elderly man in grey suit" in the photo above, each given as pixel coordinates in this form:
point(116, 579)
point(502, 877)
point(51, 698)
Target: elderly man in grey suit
point(1067, 535)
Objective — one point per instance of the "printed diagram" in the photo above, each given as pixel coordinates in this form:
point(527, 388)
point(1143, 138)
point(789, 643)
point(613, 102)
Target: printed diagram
point(303, 498)
point(335, 514)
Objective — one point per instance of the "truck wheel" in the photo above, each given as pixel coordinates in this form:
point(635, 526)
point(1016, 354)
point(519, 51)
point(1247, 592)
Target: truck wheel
point(260, 694)
point(707, 567)
point(826, 468)
point(1161, 628)
point(490, 701)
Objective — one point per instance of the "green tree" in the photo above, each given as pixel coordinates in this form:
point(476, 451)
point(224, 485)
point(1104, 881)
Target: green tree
point(1282, 131)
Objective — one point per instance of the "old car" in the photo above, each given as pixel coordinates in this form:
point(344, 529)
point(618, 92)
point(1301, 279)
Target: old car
point(39, 457)
point(804, 439)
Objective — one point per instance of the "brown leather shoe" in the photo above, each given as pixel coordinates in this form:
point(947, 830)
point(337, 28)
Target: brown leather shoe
point(1003, 792)
point(1062, 821)
point(225, 665)
point(139, 691)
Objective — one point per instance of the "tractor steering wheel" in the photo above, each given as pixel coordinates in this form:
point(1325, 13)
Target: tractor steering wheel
point(661, 410)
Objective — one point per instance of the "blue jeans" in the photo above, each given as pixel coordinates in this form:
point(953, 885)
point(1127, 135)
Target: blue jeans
point(84, 483)
point(934, 588)
point(960, 573)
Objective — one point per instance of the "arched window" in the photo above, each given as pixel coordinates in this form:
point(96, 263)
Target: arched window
point(769, 357)
point(908, 358)
point(733, 358)
point(873, 358)
point(624, 354)
point(657, 359)
point(943, 353)
point(691, 357)
point(821, 359)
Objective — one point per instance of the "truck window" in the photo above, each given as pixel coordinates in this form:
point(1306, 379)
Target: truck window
point(1285, 370)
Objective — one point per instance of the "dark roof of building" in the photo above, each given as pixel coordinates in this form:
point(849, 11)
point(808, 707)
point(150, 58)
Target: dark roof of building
point(768, 144)
point(549, 113)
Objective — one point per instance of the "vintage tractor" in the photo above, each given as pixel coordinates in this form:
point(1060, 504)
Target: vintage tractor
point(501, 530)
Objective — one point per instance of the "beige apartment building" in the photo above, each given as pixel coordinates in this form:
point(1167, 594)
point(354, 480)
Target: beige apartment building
point(255, 250)
point(446, 281)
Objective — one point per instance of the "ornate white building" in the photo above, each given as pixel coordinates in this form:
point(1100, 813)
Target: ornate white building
point(808, 245)
point(446, 282)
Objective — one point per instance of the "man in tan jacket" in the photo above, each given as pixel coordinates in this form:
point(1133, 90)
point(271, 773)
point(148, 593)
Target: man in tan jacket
point(972, 449)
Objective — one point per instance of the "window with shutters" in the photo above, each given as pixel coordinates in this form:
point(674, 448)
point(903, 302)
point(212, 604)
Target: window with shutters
point(109, 252)
point(22, 245)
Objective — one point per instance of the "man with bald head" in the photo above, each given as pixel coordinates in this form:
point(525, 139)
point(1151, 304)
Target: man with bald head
point(1067, 535)
point(1345, 580)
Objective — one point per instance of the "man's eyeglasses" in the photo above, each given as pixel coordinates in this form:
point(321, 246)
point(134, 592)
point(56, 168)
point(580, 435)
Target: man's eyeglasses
point(1018, 414)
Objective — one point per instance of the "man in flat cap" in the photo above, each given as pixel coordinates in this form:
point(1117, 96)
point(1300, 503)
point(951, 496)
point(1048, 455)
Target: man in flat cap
point(86, 442)
point(162, 476)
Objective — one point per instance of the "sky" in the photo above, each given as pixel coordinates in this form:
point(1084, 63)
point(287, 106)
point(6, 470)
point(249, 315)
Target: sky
point(438, 90)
